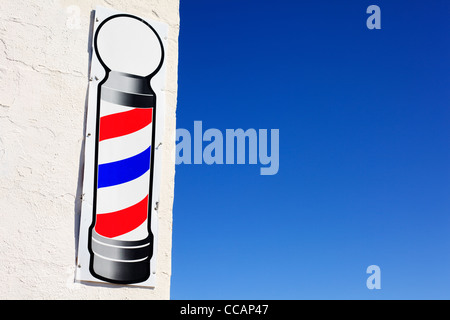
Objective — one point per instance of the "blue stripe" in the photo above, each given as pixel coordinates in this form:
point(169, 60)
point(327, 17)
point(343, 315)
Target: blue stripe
point(113, 173)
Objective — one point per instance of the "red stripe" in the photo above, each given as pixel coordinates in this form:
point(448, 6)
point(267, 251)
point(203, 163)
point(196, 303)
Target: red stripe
point(117, 223)
point(120, 124)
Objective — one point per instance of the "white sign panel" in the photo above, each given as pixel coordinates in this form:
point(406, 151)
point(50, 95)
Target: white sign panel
point(118, 227)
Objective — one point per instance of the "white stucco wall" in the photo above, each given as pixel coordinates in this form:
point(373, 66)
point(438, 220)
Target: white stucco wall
point(44, 62)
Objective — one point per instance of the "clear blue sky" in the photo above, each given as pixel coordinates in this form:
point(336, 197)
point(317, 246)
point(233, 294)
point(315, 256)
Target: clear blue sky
point(364, 172)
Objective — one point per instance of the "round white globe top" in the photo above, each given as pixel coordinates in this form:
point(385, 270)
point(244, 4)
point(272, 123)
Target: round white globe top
point(127, 44)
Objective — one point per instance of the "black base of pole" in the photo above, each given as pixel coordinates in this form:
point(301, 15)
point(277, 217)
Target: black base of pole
point(118, 261)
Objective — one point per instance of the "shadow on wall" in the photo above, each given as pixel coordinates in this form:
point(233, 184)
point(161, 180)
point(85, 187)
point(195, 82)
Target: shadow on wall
point(79, 193)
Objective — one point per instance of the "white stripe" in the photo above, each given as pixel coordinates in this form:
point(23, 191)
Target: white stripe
point(107, 108)
point(121, 247)
point(126, 146)
point(139, 233)
point(121, 196)
point(117, 260)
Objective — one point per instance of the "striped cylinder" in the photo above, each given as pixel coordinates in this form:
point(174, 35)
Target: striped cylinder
point(121, 241)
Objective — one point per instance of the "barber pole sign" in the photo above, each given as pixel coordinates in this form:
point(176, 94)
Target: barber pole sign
point(118, 226)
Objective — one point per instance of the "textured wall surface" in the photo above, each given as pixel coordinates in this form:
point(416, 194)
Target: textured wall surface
point(44, 63)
